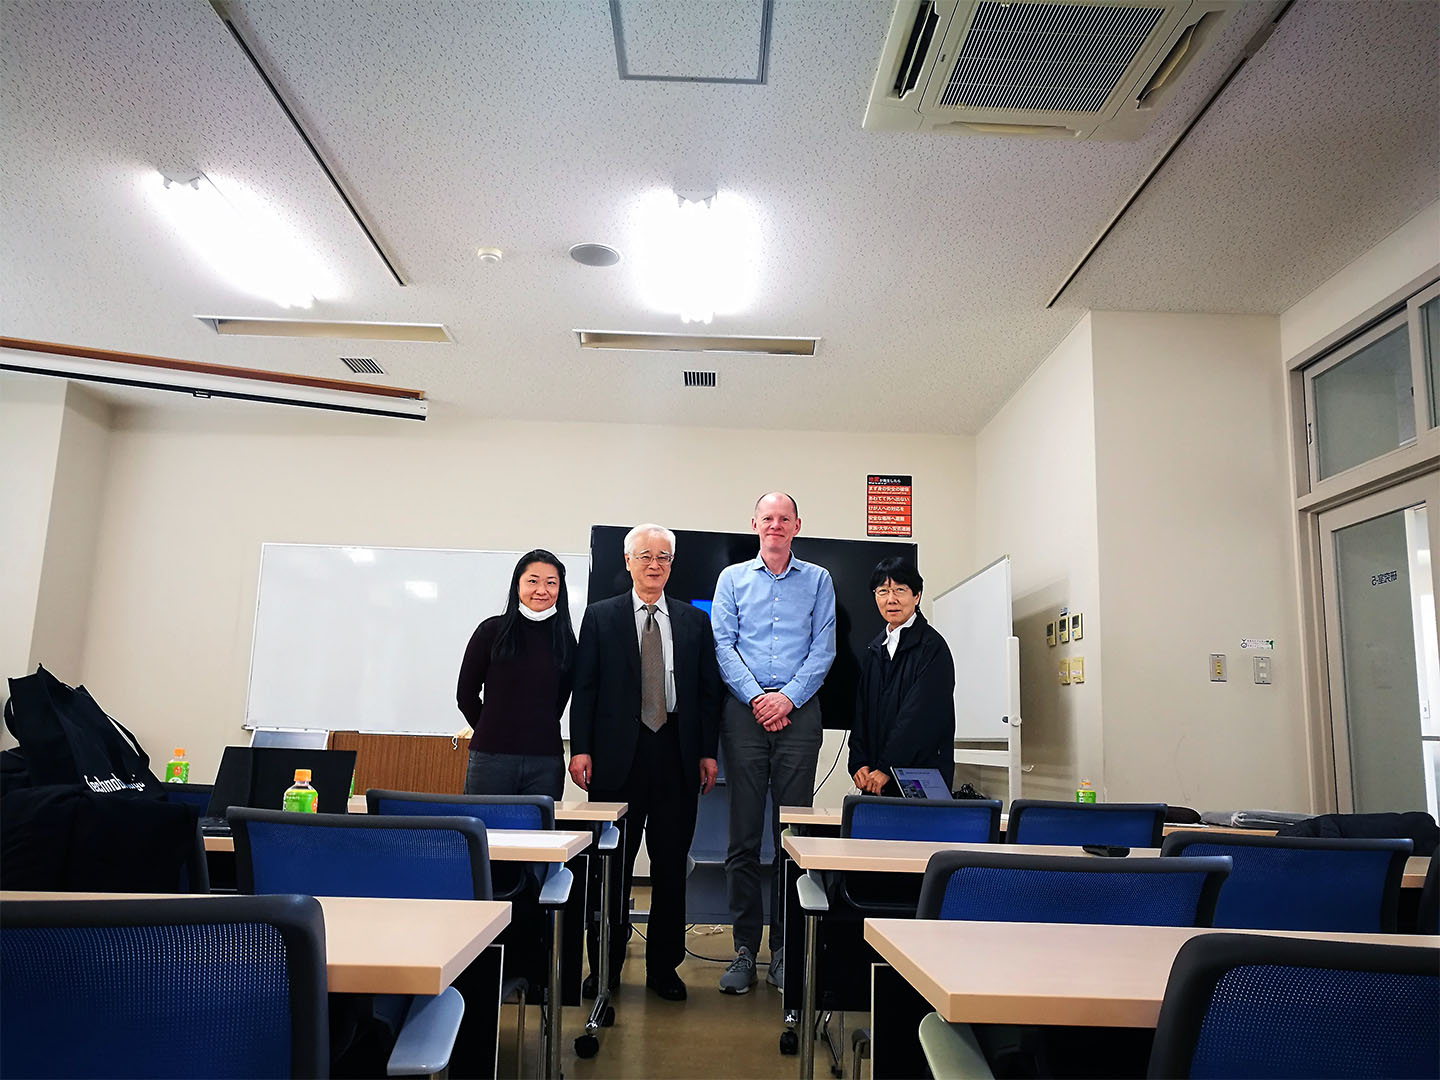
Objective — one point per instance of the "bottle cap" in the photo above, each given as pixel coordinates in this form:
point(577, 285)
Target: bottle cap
point(179, 751)
point(302, 776)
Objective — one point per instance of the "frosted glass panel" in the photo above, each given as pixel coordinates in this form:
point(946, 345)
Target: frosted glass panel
point(1430, 336)
point(1364, 405)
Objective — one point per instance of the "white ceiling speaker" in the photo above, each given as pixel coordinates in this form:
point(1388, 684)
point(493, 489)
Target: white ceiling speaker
point(594, 255)
point(490, 256)
point(1069, 69)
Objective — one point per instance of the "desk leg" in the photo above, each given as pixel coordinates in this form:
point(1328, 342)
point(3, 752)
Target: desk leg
point(793, 916)
point(553, 1004)
point(896, 1010)
point(602, 976)
point(807, 1007)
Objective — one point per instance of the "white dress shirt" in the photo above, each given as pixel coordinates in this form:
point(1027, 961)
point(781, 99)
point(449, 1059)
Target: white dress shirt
point(892, 635)
point(662, 618)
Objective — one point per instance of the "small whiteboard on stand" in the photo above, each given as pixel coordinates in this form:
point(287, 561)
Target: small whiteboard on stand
point(975, 619)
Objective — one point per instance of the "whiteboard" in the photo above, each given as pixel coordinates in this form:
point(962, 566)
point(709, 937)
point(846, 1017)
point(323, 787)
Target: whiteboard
point(371, 638)
point(974, 619)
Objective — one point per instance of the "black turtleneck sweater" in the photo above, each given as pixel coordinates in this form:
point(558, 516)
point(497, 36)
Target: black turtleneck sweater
point(524, 695)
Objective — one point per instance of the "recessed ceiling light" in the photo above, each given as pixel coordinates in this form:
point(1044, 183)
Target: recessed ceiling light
point(594, 255)
point(490, 255)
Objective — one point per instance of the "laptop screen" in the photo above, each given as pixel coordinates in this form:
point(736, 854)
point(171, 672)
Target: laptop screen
point(921, 784)
point(258, 776)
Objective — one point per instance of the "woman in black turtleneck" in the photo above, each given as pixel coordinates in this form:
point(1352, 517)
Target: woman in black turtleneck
point(515, 682)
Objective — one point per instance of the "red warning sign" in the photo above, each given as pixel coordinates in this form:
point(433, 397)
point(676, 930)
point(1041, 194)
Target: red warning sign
point(887, 506)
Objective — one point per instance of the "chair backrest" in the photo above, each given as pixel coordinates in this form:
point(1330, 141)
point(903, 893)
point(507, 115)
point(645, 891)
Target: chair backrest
point(1003, 886)
point(1303, 882)
point(226, 986)
point(1249, 1005)
point(496, 811)
point(1036, 821)
point(875, 817)
point(436, 858)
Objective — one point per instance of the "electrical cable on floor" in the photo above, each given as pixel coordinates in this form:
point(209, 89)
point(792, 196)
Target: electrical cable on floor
point(832, 769)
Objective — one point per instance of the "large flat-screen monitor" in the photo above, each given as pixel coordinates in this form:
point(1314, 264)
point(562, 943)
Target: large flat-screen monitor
point(700, 556)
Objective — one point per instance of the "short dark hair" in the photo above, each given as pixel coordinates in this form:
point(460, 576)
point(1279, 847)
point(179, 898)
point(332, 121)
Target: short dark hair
point(899, 570)
point(793, 504)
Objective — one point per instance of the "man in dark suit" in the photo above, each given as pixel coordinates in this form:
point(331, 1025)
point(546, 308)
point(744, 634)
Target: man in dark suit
point(644, 727)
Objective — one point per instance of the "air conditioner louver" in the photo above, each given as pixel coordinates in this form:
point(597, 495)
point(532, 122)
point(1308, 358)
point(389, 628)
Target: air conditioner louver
point(1058, 68)
point(697, 379)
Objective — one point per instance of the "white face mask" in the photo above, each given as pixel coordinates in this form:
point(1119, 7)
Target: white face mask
point(538, 616)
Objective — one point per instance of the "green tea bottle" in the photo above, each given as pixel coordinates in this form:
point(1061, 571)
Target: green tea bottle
point(177, 769)
point(300, 797)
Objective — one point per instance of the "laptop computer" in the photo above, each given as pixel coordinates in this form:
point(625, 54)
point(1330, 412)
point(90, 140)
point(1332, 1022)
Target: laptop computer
point(921, 784)
point(258, 776)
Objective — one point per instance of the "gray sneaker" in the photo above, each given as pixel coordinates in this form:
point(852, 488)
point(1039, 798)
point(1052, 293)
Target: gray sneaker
point(776, 975)
point(739, 977)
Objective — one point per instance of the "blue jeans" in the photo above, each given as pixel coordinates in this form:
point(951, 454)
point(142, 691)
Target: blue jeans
point(514, 774)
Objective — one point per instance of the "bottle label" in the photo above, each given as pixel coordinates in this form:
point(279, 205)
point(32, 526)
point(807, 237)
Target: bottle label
point(301, 800)
point(177, 772)
point(1084, 795)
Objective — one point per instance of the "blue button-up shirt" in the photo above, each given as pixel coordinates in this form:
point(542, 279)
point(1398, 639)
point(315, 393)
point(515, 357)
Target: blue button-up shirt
point(775, 630)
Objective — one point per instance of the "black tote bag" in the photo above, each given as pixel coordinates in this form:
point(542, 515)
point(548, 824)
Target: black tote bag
point(68, 739)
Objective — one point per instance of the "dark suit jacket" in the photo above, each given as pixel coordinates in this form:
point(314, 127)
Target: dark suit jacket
point(605, 707)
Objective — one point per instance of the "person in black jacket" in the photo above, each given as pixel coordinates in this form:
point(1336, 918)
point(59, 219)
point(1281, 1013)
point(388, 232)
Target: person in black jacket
point(905, 704)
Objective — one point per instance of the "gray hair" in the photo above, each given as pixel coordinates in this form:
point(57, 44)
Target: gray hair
point(644, 530)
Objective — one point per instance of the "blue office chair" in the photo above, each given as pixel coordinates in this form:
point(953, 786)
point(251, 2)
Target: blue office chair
point(509, 881)
point(226, 986)
point(1003, 886)
point(875, 817)
point(436, 858)
point(192, 795)
point(1249, 1005)
point(1133, 825)
point(1303, 882)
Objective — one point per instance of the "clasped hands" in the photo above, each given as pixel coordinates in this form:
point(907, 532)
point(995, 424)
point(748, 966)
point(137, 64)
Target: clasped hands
point(772, 710)
point(870, 781)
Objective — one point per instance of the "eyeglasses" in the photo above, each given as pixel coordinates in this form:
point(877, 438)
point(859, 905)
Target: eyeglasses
point(664, 558)
point(900, 592)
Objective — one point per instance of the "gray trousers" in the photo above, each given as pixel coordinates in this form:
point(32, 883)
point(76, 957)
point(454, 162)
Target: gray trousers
point(515, 774)
point(782, 762)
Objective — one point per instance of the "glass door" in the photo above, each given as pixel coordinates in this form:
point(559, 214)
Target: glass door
point(1379, 583)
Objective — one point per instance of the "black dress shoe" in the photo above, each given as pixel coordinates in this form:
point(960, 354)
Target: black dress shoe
point(667, 985)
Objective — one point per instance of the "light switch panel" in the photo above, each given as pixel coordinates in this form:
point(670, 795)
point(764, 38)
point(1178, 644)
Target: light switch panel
point(1077, 669)
point(1262, 670)
point(1077, 627)
point(1064, 672)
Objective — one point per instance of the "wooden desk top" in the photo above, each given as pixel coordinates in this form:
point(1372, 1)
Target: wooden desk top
point(378, 946)
point(905, 856)
point(506, 845)
point(910, 856)
point(829, 816)
point(566, 810)
point(1051, 973)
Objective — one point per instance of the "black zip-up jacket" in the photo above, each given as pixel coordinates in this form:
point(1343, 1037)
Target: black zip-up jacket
point(905, 707)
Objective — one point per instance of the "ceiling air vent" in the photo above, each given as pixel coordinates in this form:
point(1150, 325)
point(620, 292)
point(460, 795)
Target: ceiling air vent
point(696, 379)
point(362, 365)
point(1077, 69)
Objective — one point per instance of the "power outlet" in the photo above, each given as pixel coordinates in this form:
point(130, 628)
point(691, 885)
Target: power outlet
point(1262, 670)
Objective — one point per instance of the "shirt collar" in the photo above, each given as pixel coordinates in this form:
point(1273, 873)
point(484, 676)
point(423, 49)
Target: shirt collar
point(758, 563)
point(639, 605)
point(895, 631)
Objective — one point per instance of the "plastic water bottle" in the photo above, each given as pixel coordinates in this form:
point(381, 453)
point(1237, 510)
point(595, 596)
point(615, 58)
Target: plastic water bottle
point(177, 769)
point(1084, 793)
point(300, 797)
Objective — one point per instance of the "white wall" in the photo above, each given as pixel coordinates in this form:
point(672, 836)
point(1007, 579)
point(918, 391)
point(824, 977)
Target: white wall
point(1035, 501)
point(193, 491)
point(1411, 250)
point(1195, 554)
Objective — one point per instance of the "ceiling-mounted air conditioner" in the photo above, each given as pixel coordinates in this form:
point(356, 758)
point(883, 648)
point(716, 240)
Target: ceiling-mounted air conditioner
point(1074, 69)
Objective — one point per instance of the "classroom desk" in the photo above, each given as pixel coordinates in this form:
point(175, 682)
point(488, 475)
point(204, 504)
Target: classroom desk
point(379, 946)
point(911, 857)
point(828, 817)
point(1037, 973)
point(506, 845)
point(565, 810)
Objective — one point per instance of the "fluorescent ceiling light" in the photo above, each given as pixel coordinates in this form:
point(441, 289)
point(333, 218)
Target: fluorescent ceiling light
point(242, 239)
point(209, 380)
point(696, 258)
point(629, 341)
point(315, 328)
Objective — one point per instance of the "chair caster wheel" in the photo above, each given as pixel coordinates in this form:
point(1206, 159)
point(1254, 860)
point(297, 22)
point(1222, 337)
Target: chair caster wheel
point(608, 1020)
point(789, 1043)
point(836, 1071)
point(587, 1046)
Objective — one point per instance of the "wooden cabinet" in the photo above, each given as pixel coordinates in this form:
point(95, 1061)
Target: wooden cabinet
point(406, 762)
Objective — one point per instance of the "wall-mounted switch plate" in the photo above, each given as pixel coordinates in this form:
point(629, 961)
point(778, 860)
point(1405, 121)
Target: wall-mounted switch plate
point(1262, 670)
point(1064, 672)
point(1217, 667)
point(1077, 628)
point(1050, 634)
point(1077, 669)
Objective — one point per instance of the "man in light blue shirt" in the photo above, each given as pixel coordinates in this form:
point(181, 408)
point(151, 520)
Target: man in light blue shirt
point(774, 623)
